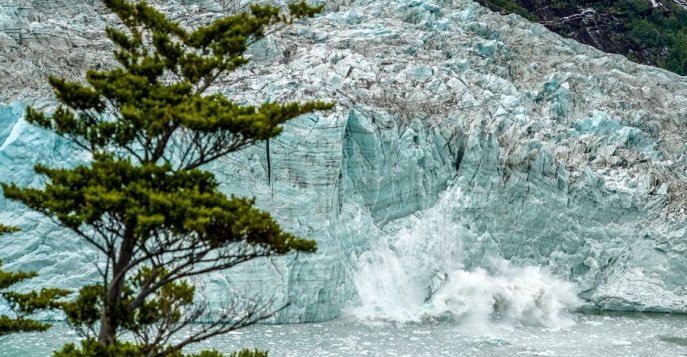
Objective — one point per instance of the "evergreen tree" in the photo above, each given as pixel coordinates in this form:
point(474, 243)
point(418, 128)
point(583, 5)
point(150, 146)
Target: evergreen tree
point(144, 201)
point(23, 304)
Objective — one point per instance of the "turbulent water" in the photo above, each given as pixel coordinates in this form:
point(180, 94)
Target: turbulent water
point(627, 336)
point(416, 273)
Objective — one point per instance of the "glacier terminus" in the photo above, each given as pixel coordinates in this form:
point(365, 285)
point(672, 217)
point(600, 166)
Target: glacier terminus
point(504, 142)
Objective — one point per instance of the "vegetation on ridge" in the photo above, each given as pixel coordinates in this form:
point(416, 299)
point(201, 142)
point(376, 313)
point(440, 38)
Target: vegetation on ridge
point(644, 33)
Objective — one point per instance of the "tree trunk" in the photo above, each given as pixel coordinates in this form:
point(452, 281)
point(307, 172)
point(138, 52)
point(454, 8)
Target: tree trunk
point(109, 319)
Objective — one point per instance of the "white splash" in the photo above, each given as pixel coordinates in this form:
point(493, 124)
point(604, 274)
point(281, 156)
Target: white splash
point(415, 274)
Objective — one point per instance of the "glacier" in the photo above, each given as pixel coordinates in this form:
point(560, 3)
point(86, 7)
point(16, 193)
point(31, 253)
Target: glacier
point(392, 279)
point(567, 158)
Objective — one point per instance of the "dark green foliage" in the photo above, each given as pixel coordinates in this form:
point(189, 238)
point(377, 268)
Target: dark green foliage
point(177, 204)
point(643, 32)
point(510, 7)
point(84, 313)
point(23, 304)
point(91, 348)
point(634, 28)
point(677, 59)
point(144, 202)
point(243, 353)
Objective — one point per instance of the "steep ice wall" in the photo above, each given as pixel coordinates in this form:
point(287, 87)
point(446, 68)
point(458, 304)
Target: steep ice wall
point(566, 157)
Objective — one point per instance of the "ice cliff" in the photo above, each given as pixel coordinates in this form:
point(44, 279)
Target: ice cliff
point(565, 157)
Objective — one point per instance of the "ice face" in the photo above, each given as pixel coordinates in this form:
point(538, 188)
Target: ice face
point(395, 283)
point(566, 158)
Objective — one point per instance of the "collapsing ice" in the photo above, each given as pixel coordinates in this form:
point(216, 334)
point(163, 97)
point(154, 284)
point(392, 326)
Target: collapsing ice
point(416, 274)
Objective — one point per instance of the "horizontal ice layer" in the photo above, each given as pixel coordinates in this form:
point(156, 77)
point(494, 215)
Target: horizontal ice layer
point(566, 157)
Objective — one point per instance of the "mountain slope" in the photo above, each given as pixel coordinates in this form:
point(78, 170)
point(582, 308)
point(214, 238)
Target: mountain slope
point(652, 32)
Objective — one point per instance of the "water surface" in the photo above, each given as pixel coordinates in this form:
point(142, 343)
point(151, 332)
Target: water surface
point(628, 335)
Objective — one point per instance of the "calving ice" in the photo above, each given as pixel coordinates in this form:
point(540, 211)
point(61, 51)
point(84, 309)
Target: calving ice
point(570, 163)
point(416, 274)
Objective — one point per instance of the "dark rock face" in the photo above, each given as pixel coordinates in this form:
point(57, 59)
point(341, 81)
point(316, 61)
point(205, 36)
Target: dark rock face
point(645, 31)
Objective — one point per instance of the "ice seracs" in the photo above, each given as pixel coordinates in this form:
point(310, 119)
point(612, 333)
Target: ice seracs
point(567, 158)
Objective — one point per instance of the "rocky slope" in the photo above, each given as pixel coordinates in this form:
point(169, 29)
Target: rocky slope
point(566, 157)
point(646, 31)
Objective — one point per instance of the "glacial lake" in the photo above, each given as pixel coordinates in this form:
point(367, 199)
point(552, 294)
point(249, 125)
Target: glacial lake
point(626, 335)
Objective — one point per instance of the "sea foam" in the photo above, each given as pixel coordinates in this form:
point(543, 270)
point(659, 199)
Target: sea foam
point(416, 274)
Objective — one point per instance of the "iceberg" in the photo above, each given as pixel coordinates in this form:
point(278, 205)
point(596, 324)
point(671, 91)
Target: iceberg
point(567, 158)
